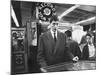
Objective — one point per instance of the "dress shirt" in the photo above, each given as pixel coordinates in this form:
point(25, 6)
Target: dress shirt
point(52, 33)
point(91, 50)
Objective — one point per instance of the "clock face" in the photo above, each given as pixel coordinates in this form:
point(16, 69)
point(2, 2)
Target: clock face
point(47, 11)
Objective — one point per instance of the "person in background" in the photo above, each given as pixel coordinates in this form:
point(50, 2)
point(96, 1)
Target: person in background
point(82, 43)
point(52, 47)
point(88, 52)
point(32, 60)
point(72, 45)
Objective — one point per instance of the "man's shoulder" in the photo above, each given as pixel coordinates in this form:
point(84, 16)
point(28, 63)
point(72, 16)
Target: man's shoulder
point(86, 46)
point(73, 41)
point(61, 33)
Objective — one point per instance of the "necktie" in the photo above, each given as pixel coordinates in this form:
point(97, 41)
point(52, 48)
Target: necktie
point(55, 37)
point(54, 42)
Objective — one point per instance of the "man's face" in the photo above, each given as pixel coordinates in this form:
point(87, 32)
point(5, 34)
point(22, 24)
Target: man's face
point(54, 25)
point(88, 39)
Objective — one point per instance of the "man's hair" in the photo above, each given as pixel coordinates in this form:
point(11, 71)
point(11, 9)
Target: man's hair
point(54, 18)
point(88, 34)
point(68, 33)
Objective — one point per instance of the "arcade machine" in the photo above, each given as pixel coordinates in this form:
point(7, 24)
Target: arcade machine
point(18, 51)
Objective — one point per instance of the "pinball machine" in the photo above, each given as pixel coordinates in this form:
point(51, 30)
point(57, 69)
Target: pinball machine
point(18, 51)
point(72, 66)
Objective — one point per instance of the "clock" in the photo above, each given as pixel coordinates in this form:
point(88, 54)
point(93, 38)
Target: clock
point(46, 11)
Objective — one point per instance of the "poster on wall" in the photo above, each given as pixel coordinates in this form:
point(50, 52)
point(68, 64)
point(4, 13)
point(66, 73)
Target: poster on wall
point(52, 27)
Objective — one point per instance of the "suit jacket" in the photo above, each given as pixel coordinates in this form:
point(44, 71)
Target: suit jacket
point(74, 48)
point(49, 53)
point(85, 53)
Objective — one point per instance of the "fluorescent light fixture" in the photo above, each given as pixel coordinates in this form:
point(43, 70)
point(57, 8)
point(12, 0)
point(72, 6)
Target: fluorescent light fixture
point(37, 13)
point(68, 11)
point(14, 16)
point(83, 21)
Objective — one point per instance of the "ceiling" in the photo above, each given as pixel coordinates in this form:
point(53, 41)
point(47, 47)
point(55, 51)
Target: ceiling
point(82, 12)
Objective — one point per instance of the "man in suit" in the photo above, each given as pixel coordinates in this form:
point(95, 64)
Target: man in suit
point(72, 45)
point(52, 47)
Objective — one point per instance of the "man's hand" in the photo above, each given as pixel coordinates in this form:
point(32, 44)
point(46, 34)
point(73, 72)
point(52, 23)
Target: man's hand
point(43, 70)
point(75, 58)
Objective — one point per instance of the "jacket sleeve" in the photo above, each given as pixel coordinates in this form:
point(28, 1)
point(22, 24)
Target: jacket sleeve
point(77, 51)
point(85, 53)
point(68, 55)
point(40, 54)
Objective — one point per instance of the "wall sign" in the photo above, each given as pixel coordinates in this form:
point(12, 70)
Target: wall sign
point(46, 11)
